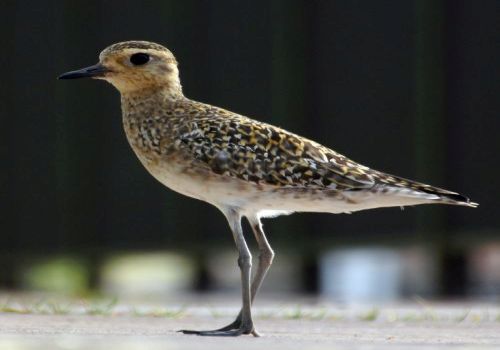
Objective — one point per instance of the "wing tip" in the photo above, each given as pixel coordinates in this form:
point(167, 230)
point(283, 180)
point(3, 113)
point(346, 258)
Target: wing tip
point(458, 199)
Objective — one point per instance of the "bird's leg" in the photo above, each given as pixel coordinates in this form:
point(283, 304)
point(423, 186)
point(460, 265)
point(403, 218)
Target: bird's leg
point(245, 325)
point(266, 256)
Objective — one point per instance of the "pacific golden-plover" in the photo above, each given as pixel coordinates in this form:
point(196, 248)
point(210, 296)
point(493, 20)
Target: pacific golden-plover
point(243, 167)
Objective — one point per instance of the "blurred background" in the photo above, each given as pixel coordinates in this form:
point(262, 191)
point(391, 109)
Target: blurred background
point(407, 87)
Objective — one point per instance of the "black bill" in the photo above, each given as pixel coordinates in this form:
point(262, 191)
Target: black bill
point(97, 70)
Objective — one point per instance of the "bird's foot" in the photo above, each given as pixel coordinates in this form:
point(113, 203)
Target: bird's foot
point(232, 330)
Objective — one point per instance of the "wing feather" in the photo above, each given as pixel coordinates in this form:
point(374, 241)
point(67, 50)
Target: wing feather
point(233, 145)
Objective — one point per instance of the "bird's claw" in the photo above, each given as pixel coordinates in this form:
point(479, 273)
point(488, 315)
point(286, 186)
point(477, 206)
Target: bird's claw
point(232, 330)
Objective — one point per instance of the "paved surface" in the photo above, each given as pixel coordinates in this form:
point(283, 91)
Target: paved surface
point(97, 332)
point(314, 327)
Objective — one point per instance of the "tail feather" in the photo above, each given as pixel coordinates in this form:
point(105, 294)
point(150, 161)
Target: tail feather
point(448, 197)
point(437, 195)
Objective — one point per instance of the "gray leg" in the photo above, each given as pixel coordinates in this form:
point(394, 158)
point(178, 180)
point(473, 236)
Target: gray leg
point(266, 256)
point(245, 325)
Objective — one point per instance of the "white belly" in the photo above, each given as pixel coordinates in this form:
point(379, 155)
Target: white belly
point(267, 201)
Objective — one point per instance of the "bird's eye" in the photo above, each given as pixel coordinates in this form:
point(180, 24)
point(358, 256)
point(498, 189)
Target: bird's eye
point(140, 58)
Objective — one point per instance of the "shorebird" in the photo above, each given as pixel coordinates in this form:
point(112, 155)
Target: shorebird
point(244, 167)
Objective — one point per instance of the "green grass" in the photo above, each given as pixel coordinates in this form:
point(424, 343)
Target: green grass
point(462, 317)
point(295, 314)
point(99, 306)
point(160, 312)
point(371, 315)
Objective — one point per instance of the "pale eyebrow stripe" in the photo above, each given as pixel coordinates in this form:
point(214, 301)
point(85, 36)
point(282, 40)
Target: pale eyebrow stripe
point(171, 60)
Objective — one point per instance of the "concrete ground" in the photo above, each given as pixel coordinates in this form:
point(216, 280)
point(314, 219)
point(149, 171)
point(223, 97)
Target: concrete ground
point(284, 326)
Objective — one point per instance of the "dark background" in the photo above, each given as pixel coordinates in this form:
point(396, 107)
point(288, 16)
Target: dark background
point(407, 87)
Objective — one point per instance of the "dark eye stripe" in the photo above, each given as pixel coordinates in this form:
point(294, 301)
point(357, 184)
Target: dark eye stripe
point(140, 58)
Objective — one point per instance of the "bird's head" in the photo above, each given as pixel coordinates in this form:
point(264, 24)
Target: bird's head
point(134, 66)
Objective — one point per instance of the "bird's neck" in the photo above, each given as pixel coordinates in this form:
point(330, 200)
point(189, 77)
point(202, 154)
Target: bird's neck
point(149, 101)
